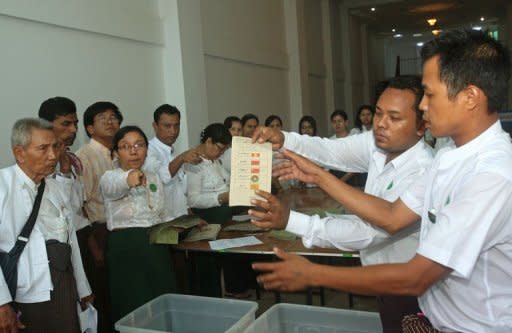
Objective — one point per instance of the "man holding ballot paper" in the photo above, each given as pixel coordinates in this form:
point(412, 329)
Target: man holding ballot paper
point(463, 265)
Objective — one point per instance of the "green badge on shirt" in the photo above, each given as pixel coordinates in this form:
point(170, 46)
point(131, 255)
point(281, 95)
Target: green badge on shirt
point(390, 186)
point(447, 201)
point(152, 187)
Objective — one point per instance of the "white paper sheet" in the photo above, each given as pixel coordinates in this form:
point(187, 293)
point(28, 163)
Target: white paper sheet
point(88, 319)
point(222, 244)
point(251, 169)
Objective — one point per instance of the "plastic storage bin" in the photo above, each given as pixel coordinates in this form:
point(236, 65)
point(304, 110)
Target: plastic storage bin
point(292, 318)
point(189, 314)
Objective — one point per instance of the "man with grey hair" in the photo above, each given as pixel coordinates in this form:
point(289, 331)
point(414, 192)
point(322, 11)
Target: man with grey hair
point(51, 278)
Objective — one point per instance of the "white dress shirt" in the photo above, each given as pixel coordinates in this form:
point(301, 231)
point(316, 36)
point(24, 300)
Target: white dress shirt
point(131, 207)
point(54, 221)
point(359, 153)
point(175, 188)
point(206, 181)
point(74, 184)
point(468, 193)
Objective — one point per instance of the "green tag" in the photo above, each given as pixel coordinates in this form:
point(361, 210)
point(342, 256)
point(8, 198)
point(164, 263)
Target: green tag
point(390, 186)
point(152, 187)
point(447, 201)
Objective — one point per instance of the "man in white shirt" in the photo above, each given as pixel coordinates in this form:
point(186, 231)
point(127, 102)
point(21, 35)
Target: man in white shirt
point(463, 266)
point(166, 163)
point(394, 155)
point(45, 295)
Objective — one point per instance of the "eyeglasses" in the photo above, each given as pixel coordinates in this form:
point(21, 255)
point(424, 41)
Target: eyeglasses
point(105, 121)
point(221, 148)
point(128, 147)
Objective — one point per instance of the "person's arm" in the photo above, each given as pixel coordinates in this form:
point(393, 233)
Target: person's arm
point(390, 216)
point(350, 154)
point(114, 185)
point(297, 273)
point(345, 232)
point(190, 156)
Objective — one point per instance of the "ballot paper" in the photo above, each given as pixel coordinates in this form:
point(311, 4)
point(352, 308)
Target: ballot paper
point(222, 244)
point(88, 318)
point(251, 170)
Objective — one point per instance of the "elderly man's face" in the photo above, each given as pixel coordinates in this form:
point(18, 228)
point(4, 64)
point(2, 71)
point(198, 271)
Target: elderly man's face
point(39, 158)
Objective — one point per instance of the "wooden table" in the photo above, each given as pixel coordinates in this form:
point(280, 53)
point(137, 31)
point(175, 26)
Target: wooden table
point(297, 199)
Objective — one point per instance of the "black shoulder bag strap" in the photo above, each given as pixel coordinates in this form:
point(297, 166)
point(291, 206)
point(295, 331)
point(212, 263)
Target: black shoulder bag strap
point(10, 262)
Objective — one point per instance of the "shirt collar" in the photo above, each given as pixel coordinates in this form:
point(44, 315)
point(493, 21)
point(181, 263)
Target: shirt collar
point(380, 156)
point(162, 145)
point(25, 180)
point(95, 144)
point(449, 157)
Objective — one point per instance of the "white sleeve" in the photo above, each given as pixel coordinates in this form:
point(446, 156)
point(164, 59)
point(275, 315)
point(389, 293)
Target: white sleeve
point(153, 163)
point(114, 185)
point(5, 295)
point(414, 196)
point(350, 154)
point(475, 220)
point(346, 232)
point(195, 196)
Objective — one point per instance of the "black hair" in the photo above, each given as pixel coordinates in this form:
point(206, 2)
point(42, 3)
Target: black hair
point(271, 118)
point(340, 113)
point(167, 109)
point(310, 120)
point(121, 134)
point(97, 108)
point(56, 107)
point(248, 117)
point(217, 132)
point(471, 57)
point(412, 83)
point(357, 121)
point(228, 122)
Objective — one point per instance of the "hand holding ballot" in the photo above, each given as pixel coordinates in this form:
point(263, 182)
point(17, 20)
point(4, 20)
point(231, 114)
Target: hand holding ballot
point(267, 134)
point(274, 213)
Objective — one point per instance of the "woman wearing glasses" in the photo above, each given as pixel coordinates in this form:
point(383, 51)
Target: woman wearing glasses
point(134, 201)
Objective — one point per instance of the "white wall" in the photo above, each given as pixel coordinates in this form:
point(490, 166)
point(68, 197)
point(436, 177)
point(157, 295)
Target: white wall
point(85, 50)
point(246, 62)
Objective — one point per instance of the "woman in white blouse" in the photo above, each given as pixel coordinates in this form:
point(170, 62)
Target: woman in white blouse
point(364, 119)
point(134, 201)
point(208, 197)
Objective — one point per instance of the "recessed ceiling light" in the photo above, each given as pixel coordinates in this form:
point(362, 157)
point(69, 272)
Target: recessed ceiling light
point(431, 21)
point(417, 35)
point(372, 9)
point(419, 44)
point(477, 27)
point(482, 19)
point(436, 32)
point(397, 36)
point(393, 30)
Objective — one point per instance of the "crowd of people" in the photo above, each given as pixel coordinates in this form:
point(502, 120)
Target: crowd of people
point(434, 229)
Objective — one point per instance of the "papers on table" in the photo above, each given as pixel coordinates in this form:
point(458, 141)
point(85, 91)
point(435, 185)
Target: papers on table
point(208, 232)
point(251, 169)
point(244, 226)
point(185, 221)
point(222, 244)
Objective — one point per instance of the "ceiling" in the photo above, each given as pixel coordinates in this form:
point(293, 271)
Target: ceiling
point(409, 16)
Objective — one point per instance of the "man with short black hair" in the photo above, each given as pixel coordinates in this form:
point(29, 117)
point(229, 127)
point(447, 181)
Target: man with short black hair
point(395, 156)
point(163, 160)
